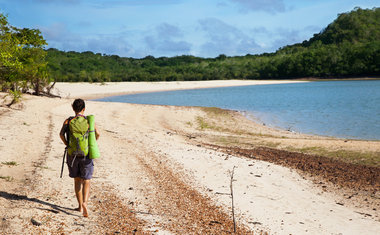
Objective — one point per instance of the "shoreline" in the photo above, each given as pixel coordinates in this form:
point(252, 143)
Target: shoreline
point(96, 90)
point(90, 91)
point(252, 118)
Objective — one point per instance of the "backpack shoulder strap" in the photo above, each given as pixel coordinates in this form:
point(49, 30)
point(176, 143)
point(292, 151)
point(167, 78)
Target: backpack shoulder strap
point(68, 128)
point(70, 119)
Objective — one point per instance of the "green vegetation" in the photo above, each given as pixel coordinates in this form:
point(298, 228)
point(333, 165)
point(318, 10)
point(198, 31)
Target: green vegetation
point(12, 163)
point(22, 60)
point(214, 111)
point(355, 157)
point(222, 120)
point(7, 178)
point(202, 124)
point(348, 47)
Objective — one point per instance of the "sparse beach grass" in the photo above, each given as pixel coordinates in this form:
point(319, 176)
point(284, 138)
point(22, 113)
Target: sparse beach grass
point(222, 120)
point(355, 157)
point(229, 132)
point(368, 158)
point(6, 178)
point(10, 163)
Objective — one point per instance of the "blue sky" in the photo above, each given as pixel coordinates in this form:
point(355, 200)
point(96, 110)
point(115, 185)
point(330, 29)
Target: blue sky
point(206, 28)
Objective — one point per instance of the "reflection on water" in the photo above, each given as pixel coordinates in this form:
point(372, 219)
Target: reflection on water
point(348, 109)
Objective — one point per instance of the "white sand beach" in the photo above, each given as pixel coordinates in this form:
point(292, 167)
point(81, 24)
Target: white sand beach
point(156, 174)
point(96, 90)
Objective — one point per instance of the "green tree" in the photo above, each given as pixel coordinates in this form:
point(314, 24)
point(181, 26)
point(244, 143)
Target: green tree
point(10, 64)
point(22, 60)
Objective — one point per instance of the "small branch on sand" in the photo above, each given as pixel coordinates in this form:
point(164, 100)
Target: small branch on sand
point(148, 213)
point(48, 94)
point(11, 103)
point(223, 193)
point(232, 197)
point(141, 212)
point(50, 87)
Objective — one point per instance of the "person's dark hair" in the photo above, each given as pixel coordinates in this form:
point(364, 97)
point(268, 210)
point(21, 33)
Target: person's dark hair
point(78, 105)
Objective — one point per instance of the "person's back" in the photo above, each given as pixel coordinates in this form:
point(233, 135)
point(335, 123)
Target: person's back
point(74, 134)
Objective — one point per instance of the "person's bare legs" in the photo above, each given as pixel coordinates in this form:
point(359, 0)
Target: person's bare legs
point(86, 195)
point(79, 192)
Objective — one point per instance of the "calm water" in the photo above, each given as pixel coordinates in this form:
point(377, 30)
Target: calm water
point(348, 109)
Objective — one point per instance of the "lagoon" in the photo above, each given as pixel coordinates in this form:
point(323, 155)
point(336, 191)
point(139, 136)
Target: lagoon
point(344, 109)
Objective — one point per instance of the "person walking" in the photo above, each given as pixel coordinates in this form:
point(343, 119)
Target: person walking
point(74, 134)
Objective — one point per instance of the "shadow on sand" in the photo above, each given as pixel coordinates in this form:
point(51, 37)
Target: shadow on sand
point(54, 208)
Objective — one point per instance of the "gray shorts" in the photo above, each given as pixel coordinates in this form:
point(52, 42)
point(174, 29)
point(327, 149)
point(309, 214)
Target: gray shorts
point(81, 167)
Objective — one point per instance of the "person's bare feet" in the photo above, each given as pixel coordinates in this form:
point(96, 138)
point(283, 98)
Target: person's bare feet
point(85, 212)
point(78, 209)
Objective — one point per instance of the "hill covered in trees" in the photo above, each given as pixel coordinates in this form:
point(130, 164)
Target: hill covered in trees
point(349, 46)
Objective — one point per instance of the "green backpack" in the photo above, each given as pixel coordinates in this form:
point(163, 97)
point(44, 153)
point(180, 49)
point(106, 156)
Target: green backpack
point(78, 136)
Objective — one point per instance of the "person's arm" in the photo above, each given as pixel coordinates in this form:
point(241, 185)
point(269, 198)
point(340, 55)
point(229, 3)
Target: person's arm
point(63, 131)
point(97, 134)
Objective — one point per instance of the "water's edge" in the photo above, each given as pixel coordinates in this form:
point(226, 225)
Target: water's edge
point(264, 104)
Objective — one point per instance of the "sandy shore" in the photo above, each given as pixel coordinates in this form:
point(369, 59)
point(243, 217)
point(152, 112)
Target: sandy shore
point(96, 90)
point(158, 175)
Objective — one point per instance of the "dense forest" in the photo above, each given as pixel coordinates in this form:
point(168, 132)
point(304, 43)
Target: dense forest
point(348, 47)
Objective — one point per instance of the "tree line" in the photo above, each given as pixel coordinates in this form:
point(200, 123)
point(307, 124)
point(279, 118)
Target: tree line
point(348, 47)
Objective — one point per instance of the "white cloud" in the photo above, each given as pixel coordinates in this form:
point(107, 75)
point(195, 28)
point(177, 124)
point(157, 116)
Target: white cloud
point(166, 40)
point(222, 38)
point(61, 38)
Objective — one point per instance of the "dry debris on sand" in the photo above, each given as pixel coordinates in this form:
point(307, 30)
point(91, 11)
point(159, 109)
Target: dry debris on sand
point(352, 179)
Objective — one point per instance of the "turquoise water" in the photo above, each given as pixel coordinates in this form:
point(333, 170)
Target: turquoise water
point(345, 109)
